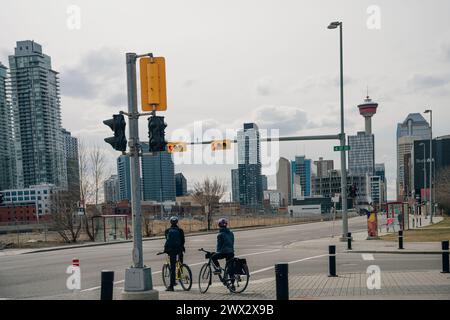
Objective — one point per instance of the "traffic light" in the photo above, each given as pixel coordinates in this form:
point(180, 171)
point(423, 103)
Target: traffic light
point(220, 145)
point(176, 147)
point(352, 191)
point(117, 124)
point(156, 134)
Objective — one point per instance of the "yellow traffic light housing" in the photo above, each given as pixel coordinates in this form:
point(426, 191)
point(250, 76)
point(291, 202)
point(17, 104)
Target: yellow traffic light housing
point(153, 84)
point(176, 147)
point(220, 145)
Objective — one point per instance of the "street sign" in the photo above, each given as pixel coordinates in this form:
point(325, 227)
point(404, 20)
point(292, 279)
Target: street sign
point(220, 145)
point(340, 148)
point(176, 147)
point(153, 84)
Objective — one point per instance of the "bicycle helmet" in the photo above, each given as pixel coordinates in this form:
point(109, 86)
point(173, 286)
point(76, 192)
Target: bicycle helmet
point(222, 222)
point(174, 220)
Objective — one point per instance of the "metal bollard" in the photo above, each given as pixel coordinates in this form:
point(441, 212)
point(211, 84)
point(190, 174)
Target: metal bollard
point(445, 257)
point(332, 261)
point(107, 285)
point(282, 281)
point(349, 241)
point(400, 239)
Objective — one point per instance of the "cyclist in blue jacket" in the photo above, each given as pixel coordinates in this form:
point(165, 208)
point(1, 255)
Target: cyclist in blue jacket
point(225, 245)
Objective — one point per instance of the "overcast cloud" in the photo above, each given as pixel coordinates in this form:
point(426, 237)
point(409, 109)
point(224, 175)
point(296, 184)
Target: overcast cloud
point(230, 62)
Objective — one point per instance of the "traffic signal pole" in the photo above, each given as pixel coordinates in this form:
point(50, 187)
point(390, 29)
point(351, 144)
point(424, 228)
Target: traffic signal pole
point(134, 160)
point(138, 278)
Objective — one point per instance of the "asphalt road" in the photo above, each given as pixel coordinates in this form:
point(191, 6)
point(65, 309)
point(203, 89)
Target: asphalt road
point(44, 274)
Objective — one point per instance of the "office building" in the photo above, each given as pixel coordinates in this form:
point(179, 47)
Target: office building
point(414, 127)
point(264, 182)
point(72, 163)
point(323, 166)
point(284, 184)
point(35, 99)
point(235, 185)
point(420, 168)
point(158, 175)
point(361, 156)
point(301, 167)
point(124, 175)
point(323, 169)
point(7, 158)
point(38, 196)
point(249, 166)
point(273, 198)
point(111, 189)
point(180, 185)
point(330, 185)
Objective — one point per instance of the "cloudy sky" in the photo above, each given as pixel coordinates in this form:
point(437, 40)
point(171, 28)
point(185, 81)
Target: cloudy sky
point(229, 62)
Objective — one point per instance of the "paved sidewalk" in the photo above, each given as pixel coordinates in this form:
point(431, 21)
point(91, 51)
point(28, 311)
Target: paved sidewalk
point(424, 285)
point(430, 284)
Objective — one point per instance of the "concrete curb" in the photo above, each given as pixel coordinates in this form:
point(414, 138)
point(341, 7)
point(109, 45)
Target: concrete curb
point(154, 238)
point(397, 252)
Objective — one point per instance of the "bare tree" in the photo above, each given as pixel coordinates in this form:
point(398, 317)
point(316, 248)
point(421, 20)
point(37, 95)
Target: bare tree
point(208, 193)
point(98, 170)
point(64, 214)
point(442, 188)
point(93, 172)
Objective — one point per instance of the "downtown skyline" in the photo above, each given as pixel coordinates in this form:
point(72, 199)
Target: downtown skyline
point(298, 95)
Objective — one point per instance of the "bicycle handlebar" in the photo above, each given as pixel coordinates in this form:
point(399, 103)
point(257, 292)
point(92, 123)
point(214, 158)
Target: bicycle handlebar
point(160, 253)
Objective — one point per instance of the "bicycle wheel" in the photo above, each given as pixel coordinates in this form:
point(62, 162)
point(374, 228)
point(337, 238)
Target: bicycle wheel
point(204, 278)
point(236, 283)
point(186, 277)
point(166, 275)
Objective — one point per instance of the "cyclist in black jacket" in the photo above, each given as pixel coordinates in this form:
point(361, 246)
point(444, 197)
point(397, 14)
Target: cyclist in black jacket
point(174, 247)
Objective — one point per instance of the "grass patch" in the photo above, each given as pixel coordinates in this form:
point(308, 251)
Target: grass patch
point(431, 233)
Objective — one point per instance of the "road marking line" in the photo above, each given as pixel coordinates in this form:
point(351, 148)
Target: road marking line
point(290, 262)
point(193, 264)
point(367, 257)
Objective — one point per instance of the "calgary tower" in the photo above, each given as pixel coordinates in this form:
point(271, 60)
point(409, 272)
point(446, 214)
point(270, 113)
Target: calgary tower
point(367, 110)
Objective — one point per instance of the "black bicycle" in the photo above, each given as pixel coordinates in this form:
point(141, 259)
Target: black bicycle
point(183, 274)
point(235, 276)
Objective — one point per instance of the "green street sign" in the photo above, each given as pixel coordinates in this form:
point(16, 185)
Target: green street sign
point(340, 148)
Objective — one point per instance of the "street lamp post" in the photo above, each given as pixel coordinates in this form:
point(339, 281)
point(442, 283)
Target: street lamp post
point(431, 164)
point(334, 25)
point(424, 173)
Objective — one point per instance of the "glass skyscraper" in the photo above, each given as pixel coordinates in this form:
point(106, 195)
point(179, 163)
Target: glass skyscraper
point(7, 171)
point(361, 156)
point(158, 176)
point(35, 98)
point(301, 168)
point(414, 127)
point(235, 184)
point(180, 185)
point(123, 171)
point(72, 163)
point(249, 166)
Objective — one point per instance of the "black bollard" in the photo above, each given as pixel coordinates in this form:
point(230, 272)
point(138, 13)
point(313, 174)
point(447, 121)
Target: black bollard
point(107, 285)
point(445, 261)
point(349, 241)
point(332, 261)
point(400, 239)
point(282, 281)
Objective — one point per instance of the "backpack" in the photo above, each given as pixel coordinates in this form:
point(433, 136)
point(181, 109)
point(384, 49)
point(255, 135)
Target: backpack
point(174, 238)
point(238, 266)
